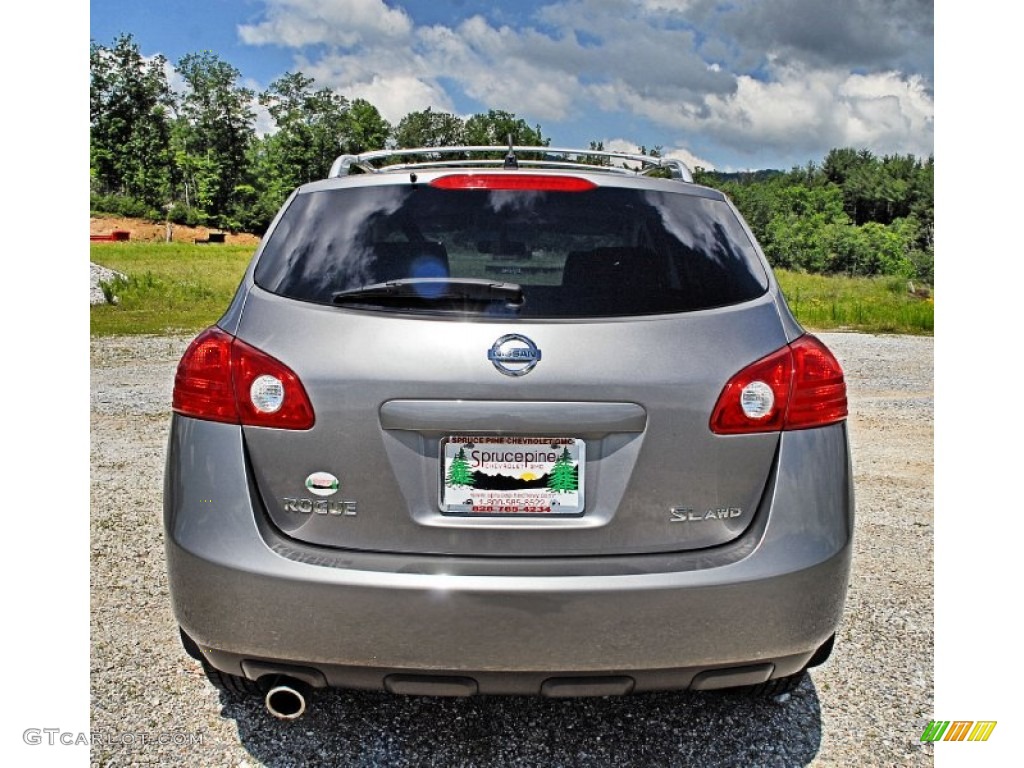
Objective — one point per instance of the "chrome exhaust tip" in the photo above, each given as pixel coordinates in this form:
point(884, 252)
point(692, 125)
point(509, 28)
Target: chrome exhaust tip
point(286, 702)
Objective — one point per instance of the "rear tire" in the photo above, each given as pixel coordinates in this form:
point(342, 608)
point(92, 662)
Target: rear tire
point(223, 681)
point(777, 687)
point(782, 685)
point(821, 655)
point(190, 645)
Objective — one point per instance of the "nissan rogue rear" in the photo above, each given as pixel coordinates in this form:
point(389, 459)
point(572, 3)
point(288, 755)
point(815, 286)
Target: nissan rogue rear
point(513, 425)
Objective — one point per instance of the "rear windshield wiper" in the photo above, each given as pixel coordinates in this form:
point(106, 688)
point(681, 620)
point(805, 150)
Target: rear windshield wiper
point(430, 290)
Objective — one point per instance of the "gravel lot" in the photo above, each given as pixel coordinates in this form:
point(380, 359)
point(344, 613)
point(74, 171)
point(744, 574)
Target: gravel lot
point(867, 706)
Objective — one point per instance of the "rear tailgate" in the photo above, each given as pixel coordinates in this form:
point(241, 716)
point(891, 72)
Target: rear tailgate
point(629, 398)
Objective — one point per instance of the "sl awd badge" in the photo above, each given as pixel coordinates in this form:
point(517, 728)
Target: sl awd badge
point(689, 515)
point(514, 354)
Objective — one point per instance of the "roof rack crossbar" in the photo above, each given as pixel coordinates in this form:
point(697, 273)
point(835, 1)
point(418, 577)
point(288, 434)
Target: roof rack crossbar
point(485, 163)
point(342, 166)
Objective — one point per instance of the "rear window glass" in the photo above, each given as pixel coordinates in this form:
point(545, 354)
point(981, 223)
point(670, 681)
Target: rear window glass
point(605, 252)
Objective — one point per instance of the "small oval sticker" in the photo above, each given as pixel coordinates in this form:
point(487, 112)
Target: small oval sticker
point(322, 484)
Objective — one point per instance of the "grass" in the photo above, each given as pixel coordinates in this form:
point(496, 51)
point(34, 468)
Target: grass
point(178, 287)
point(871, 304)
point(169, 287)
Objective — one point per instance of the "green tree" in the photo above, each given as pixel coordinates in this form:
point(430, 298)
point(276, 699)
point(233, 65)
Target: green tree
point(855, 213)
point(564, 476)
point(497, 126)
point(129, 123)
point(264, 195)
point(459, 473)
point(872, 249)
point(430, 129)
point(877, 189)
point(599, 160)
point(365, 129)
point(214, 130)
point(311, 127)
point(922, 206)
point(795, 237)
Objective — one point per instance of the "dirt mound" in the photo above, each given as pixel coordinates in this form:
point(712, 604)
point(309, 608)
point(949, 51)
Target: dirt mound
point(156, 232)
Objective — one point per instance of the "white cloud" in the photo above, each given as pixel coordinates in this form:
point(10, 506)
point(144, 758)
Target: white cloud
point(297, 23)
point(622, 145)
point(803, 109)
point(674, 64)
point(397, 95)
point(671, 6)
point(674, 153)
point(887, 109)
point(797, 110)
point(395, 81)
point(174, 81)
point(691, 160)
point(504, 68)
point(264, 124)
point(520, 88)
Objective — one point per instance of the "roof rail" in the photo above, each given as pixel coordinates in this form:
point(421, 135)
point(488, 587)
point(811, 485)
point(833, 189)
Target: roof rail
point(551, 157)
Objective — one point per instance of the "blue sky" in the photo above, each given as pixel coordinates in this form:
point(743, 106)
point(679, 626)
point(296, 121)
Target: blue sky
point(740, 85)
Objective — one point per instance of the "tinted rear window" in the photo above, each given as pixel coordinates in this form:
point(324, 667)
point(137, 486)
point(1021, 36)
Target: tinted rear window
point(606, 252)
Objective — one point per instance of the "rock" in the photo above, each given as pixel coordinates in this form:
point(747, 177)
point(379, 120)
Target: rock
point(96, 274)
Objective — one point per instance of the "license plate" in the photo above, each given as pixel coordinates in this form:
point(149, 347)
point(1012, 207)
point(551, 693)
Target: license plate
point(494, 476)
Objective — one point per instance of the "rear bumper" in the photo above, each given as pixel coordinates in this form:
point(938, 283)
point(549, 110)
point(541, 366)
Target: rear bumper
point(254, 602)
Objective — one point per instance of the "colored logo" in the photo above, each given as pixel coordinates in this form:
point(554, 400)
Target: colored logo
point(958, 730)
point(322, 484)
point(514, 355)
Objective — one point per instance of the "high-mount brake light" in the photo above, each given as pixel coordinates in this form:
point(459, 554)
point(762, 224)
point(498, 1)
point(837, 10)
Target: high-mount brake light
point(221, 378)
point(524, 182)
point(797, 387)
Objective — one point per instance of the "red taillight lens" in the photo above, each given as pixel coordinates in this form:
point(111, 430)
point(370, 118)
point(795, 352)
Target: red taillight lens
point(202, 385)
point(527, 182)
point(798, 387)
point(819, 389)
point(221, 378)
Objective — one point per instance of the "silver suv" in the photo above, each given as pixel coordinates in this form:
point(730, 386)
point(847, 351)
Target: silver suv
point(495, 420)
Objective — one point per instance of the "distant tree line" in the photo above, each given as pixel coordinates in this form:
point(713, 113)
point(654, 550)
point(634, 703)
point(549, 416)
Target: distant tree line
point(856, 213)
point(194, 156)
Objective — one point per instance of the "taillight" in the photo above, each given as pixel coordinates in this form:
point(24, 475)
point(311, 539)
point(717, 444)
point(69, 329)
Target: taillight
point(202, 385)
point(526, 182)
point(819, 389)
point(797, 387)
point(221, 378)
